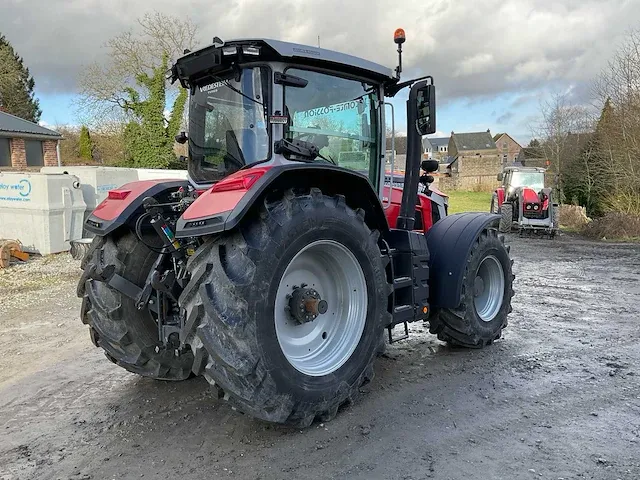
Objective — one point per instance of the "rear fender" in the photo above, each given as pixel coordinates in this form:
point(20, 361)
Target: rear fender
point(450, 241)
point(218, 211)
point(112, 213)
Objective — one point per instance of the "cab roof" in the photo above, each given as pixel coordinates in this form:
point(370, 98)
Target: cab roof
point(211, 59)
point(524, 169)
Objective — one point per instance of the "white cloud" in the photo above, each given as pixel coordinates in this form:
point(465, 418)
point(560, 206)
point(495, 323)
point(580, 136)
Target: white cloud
point(480, 63)
point(473, 49)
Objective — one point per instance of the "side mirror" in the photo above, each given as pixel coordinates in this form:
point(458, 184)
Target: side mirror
point(426, 120)
point(181, 138)
point(500, 176)
point(429, 166)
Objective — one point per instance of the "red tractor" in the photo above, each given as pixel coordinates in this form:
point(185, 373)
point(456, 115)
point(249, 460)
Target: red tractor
point(275, 270)
point(524, 203)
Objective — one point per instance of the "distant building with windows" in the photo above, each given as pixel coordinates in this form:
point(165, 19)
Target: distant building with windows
point(436, 148)
point(508, 149)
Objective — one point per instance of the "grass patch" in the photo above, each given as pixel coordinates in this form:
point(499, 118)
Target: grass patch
point(460, 201)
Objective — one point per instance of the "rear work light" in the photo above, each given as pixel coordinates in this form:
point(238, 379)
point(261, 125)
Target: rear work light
point(118, 194)
point(241, 180)
point(249, 50)
point(230, 50)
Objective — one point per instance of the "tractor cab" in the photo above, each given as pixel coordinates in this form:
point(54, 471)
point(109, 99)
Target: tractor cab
point(514, 177)
point(272, 103)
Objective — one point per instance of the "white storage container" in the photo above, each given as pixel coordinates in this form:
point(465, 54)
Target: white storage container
point(97, 181)
point(159, 174)
point(43, 211)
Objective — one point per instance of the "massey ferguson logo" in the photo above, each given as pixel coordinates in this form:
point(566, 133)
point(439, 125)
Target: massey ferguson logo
point(212, 86)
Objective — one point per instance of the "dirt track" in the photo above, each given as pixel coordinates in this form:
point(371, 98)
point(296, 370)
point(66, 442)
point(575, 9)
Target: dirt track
point(557, 397)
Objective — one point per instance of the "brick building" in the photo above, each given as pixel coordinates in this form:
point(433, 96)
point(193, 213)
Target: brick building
point(26, 144)
point(508, 148)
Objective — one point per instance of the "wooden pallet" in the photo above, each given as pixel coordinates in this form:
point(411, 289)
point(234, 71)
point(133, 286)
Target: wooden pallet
point(11, 248)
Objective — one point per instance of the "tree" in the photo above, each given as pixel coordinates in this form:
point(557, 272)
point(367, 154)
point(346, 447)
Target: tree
point(560, 127)
point(534, 143)
point(587, 178)
point(131, 89)
point(85, 145)
point(618, 89)
point(16, 85)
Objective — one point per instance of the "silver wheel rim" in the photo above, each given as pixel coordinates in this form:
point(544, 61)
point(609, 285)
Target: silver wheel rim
point(489, 288)
point(322, 346)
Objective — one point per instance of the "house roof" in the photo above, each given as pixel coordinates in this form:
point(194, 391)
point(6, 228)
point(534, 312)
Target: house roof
point(498, 135)
point(473, 141)
point(12, 126)
point(435, 142)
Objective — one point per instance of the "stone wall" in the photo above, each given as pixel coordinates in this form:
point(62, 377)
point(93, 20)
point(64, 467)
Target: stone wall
point(477, 172)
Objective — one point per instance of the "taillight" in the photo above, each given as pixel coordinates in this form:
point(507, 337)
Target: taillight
point(118, 194)
point(241, 180)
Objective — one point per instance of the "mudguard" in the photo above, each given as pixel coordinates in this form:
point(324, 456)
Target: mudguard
point(450, 241)
point(224, 205)
point(123, 204)
point(500, 195)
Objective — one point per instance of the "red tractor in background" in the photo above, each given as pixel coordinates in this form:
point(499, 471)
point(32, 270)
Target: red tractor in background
point(280, 268)
point(524, 203)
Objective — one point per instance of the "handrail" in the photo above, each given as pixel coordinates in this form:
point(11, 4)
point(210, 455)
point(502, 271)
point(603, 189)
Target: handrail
point(393, 153)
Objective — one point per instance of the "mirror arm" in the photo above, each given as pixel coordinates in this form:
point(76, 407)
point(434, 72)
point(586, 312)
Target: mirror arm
point(391, 89)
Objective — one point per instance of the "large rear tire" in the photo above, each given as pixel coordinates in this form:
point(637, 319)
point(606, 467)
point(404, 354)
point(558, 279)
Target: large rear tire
point(487, 289)
point(506, 219)
point(265, 361)
point(128, 336)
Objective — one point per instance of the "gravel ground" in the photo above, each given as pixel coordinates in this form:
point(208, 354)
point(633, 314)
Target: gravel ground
point(557, 398)
point(39, 315)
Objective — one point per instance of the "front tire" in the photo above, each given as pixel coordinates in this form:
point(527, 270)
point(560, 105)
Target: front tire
point(506, 219)
point(494, 204)
point(128, 336)
point(246, 343)
point(485, 302)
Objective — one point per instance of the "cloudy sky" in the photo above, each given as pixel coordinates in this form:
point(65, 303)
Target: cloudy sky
point(493, 60)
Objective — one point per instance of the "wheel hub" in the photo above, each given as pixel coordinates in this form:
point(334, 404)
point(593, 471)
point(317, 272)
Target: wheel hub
point(305, 304)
